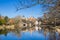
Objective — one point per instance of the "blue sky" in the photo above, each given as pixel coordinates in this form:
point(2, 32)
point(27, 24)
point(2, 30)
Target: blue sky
point(7, 8)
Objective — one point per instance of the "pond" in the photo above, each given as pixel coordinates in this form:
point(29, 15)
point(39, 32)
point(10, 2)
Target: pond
point(30, 35)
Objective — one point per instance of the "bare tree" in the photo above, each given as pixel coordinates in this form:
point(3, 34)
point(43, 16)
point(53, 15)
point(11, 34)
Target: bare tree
point(55, 11)
point(23, 4)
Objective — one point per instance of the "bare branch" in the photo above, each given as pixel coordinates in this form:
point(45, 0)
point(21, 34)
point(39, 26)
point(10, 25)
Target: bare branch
point(23, 4)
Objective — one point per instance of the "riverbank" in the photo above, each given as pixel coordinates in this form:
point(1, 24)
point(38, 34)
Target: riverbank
point(7, 27)
point(12, 27)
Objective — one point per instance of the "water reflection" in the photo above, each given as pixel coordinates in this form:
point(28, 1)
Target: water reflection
point(30, 34)
point(3, 32)
point(52, 35)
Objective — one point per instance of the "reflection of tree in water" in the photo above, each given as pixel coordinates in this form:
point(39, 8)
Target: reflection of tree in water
point(46, 33)
point(52, 35)
point(40, 31)
point(17, 33)
point(4, 32)
point(58, 37)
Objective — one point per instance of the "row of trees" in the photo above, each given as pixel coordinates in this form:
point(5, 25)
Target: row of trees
point(53, 16)
point(3, 20)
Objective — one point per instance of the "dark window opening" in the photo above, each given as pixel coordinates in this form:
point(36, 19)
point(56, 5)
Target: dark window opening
point(23, 24)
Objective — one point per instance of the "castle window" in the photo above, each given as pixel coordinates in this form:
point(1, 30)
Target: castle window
point(24, 25)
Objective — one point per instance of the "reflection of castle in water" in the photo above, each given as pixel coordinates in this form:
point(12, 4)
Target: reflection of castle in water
point(49, 34)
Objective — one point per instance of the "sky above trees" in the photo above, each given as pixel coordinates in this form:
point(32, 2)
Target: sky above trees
point(8, 8)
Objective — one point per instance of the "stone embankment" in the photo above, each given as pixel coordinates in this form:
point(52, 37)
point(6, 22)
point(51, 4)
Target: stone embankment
point(7, 27)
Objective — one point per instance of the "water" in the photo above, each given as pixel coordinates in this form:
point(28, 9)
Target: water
point(30, 35)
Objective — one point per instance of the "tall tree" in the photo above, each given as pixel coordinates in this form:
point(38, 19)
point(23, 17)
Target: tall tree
point(6, 19)
point(2, 21)
point(55, 11)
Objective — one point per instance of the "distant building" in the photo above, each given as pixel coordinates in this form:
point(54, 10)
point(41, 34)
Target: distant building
point(11, 21)
point(36, 22)
point(1, 17)
point(28, 22)
point(32, 19)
